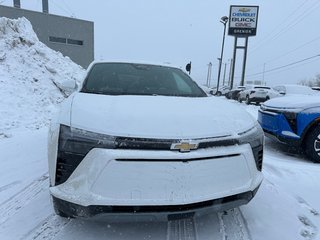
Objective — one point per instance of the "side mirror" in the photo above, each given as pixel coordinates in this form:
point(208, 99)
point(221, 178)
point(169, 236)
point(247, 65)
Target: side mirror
point(282, 93)
point(68, 85)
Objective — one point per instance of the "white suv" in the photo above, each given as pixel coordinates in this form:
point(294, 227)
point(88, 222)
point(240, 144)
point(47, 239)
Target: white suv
point(257, 94)
point(138, 138)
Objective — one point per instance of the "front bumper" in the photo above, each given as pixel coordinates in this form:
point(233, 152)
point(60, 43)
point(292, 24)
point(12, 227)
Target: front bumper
point(135, 178)
point(276, 126)
point(201, 208)
point(257, 99)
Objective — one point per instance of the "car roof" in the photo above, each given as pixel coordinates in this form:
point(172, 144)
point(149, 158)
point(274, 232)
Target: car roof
point(254, 86)
point(164, 64)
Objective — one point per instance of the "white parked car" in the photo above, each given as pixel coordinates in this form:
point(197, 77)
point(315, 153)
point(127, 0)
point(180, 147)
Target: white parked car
point(292, 89)
point(316, 88)
point(257, 94)
point(222, 90)
point(140, 138)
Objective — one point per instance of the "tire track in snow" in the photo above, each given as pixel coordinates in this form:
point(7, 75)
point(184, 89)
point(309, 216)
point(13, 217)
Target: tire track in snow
point(233, 225)
point(181, 229)
point(11, 206)
point(48, 229)
point(8, 186)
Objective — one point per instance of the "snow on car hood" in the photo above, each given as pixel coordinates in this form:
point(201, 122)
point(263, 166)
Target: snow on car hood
point(294, 101)
point(158, 116)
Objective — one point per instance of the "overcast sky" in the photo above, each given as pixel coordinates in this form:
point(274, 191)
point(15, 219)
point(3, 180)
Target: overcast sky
point(179, 31)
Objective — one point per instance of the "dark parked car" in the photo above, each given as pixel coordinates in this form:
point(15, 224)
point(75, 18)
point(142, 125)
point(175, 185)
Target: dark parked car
point(233, 94)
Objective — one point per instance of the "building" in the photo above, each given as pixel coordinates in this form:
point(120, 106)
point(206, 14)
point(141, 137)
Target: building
point(70, 36)
point(255, 82)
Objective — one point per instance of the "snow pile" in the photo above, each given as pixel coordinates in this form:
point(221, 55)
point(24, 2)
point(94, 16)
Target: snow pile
point(29, 75)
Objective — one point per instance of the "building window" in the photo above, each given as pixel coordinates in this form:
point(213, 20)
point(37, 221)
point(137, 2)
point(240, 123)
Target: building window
point(74, 42)
point(57, 39)
point(65, 40)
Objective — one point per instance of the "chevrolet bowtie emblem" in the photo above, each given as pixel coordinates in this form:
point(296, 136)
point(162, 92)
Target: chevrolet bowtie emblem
point(244, 10)
point(184, 146)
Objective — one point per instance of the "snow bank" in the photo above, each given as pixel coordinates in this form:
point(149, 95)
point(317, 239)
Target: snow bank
point(29, 75)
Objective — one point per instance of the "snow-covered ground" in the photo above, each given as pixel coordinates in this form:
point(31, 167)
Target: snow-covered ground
point(287, 205)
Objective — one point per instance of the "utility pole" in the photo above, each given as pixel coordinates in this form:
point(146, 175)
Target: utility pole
point(229, 82)
point(224, 21)
point(224, 74)
point(209, 74)
point(264, 70)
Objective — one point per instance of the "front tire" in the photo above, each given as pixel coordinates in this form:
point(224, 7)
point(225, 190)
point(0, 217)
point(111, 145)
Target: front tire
point(57, 210)
point(312, 145)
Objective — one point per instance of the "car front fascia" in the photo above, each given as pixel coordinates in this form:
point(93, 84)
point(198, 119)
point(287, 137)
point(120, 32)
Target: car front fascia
point(283, 130)
point(73, 193)
point(74, 144)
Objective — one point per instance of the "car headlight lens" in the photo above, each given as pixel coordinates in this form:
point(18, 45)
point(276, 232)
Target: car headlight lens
point(255, 137)
point(292, 120)
point(74, 144)
point(73, 140)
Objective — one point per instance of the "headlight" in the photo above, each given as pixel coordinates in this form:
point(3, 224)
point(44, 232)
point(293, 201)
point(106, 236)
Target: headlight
point(292, 120)
point(73, 140)
point(74, 144)
point(255, 137)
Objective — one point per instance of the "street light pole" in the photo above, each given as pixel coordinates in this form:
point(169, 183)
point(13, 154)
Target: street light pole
point(229, 81)
point(264, 70)
point(224, 74)
point(209, 74)
point(224, 21)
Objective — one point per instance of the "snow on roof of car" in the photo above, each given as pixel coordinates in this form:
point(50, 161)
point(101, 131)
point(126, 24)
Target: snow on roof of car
point(294, 101)
point(297, 89)
point(164, 64)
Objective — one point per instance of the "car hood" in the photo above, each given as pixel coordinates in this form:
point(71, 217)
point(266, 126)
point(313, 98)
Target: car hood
point(294, 101)
point(158, 116)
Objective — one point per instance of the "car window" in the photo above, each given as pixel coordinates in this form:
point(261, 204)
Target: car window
point(140, 79)
point(262, 87)
point(181, 84)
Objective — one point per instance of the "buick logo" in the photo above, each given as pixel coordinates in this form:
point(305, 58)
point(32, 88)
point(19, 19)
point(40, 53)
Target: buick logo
point(184, 146)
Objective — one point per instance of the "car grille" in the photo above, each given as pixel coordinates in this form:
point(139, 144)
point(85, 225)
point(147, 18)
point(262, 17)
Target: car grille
point(178, 160)
point(158, 144)
point(258, 156)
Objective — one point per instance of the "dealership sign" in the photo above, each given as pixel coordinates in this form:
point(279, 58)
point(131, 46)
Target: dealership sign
point(243, 21)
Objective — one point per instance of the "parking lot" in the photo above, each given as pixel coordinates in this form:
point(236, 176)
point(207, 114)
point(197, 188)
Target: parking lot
point(285, 207)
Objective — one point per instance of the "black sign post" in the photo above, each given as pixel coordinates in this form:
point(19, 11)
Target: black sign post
point(188, 67)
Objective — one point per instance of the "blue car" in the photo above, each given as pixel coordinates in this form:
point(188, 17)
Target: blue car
point(293, 120)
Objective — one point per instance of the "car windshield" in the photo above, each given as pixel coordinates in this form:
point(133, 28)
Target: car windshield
point(140, 79)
